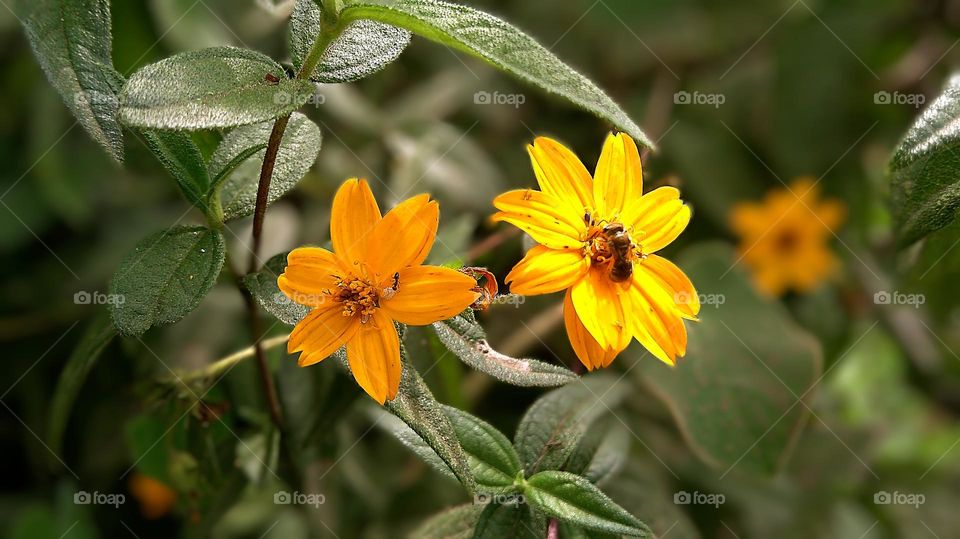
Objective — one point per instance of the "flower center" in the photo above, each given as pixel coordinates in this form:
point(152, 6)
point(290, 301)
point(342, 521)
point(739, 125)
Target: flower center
point(610, 245)
point(357, 297)
point(787, 240)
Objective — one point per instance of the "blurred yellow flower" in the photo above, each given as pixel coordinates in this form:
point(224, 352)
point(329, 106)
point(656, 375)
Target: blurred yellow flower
point(597, 237)
point(156, 499)
point(374, 275)
point(784, 239)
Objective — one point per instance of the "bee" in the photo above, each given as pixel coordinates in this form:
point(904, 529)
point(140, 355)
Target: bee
point(621, 249)
point(272, 79)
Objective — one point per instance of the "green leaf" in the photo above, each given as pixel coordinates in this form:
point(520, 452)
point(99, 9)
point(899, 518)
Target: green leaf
point(500, 44)
point(454, 523)
point(72, 41)
point(572, 498)
point(735, 395)
point(493, 461)
point(97, 336)
point(263, 286)
point(508, 521)
point(210, 88)
point(466, 338)
point(557, 421)
point(165, 277)
point(362, 48)
point(236, 163)
point(601, 453)
point(925, 169)
point(417, 407)
point(184, 161)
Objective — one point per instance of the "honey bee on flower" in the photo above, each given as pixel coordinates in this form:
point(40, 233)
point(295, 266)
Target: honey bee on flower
point(598, 238)
point(373, 277)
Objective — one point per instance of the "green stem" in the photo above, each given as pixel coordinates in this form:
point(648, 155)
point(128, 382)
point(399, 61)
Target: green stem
point(224, 364)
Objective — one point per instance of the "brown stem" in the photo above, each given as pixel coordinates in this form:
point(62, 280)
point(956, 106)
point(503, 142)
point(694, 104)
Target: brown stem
point(269, 391)
point(263, 189)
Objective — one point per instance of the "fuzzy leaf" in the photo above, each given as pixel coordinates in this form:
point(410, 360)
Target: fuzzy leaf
point(417, 407)
point(466, 338)
point(362, 48)
point(72, 41)
point(210, 88)
point(263, 286)
point(572, 498)
point(236, 163)
point(183, 160)
point(925, 170)
point(165, 277)
point(84, 356)
point(454, 523)
point(554, 425)
point(507, 521)
point(601, 453)
point(500, 44)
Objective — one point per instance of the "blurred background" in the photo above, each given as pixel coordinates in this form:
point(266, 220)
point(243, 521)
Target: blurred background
point(841, 421)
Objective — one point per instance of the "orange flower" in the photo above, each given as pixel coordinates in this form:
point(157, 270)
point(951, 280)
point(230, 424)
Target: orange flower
point(598, 236)
point(373, 277)
point(784, 239)
point(155, 497)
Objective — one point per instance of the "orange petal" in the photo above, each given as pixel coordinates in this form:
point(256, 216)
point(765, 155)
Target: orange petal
point(599, 306)
point(429, 293)
point(321, 333)
point(658, 218)
point(544, 270)
point(655, 321)
point(352, 219)
point(674, 281)
point(543, 211)
point(588, 350)
point(618, 179)
point(561, 174)
point(310, 273)
point(374, 357)
point(404, 237)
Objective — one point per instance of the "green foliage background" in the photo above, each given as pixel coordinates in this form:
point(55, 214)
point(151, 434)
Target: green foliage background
point(798, 412)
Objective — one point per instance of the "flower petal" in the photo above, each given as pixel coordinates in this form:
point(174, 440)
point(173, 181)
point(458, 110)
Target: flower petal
point(321, 333)
point(618, 178)
point(655, 322)
point(544, 270)
point(561, 174)
point(374, 357)
point(588, 350)
point(310, 273)
point(657, 219)
point(599, 306)
point(404, 237)
point(352, 219)
point(542, 216)
point(430, 293)
point(674, 281)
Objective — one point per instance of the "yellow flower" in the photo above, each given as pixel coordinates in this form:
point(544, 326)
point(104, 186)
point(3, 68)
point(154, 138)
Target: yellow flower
point(374, 275)
point(597, 240)
point(783, 240)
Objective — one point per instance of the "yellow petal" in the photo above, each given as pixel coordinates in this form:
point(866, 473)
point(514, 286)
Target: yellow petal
point(599, 306)
point(618, 178)
point(674, 281)
point(544, 270)
point(588, 350)
point(658, 218)
point(404, 237)
point(654, 325)
point(321, 333)
point(546, 211)
point(374, 357)
point(831, 214)
point(352, 219)
point(310, 273)
point(429, 293)
point(561, 174)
